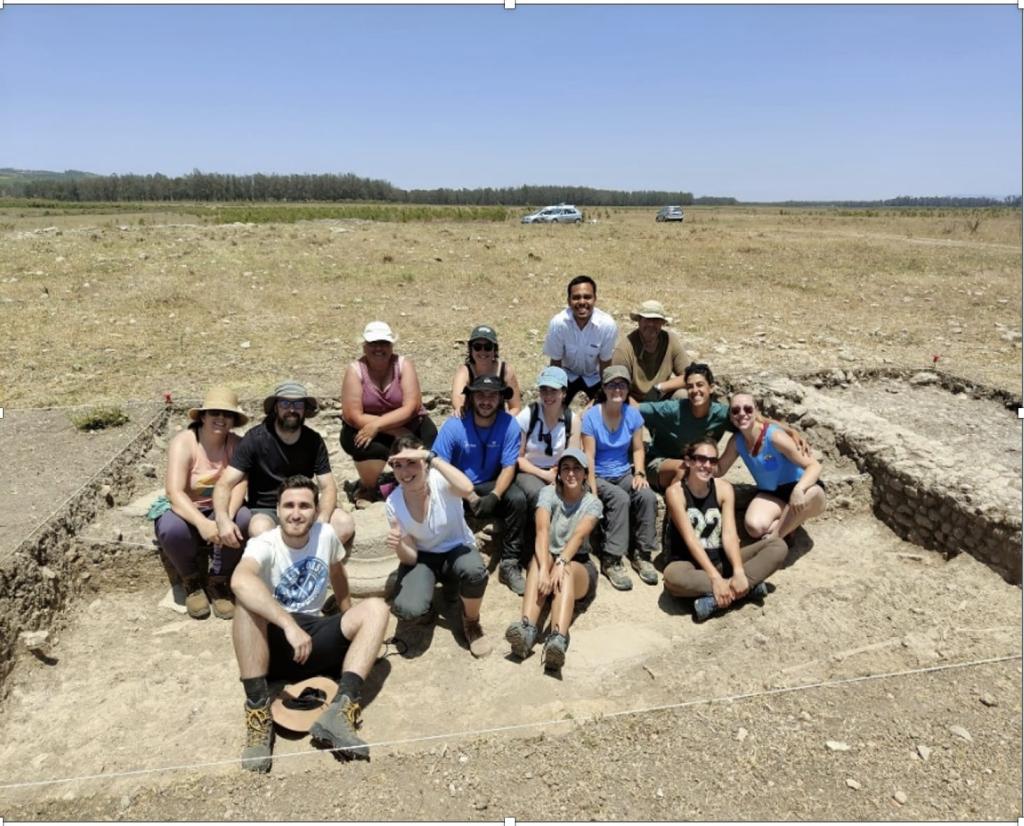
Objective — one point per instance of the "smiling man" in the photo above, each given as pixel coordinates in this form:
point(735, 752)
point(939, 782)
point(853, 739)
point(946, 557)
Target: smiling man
point(654, 356)
point(281, 446)
point(484, 444)
point(581, 339)
point(279, 630)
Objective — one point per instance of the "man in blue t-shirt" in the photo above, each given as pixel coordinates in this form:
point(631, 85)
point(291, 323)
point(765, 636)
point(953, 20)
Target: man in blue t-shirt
point(484, 444)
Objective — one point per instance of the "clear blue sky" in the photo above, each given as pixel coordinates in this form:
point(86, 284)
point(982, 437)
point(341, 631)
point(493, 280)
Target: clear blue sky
point(761, 103)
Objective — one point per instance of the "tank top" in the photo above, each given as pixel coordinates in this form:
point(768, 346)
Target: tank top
point(377, 401)
point(706, 519)
point(203, 474)
point(472, 372)
point(769, 468)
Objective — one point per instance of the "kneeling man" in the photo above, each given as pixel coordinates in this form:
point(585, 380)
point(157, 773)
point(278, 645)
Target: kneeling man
point(280, 633)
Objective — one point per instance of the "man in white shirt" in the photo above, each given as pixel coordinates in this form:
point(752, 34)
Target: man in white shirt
point(581, 339)
point(280, 632)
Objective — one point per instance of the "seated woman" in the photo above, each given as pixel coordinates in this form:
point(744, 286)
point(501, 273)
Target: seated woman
point(613, 441)
point(380, 400)
point(704, 560)
point(431, 539)
point(196, 457)
point(547, 428)
point(482, 360)
point(561, 569)
point(788, 490)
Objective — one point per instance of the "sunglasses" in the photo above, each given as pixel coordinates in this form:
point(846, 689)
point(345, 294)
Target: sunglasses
point(485, 346)
point(291, 404)
point(220, 414)
point(700, 459)
point(741, 408)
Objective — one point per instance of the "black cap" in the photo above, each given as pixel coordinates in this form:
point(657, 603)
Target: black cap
point(482, 331)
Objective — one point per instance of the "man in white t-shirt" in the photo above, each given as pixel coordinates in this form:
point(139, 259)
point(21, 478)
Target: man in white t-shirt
point(280, 632)
point(581, 339)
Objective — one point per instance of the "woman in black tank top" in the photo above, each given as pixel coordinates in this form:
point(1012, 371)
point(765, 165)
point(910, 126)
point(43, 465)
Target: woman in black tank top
point(482, 360)
point(705, 561)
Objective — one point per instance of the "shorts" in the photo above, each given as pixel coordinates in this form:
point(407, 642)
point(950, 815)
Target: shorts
point(783, 492)
point(329, 649)
point(268, 512)
point(588, 563)
point(379, 449)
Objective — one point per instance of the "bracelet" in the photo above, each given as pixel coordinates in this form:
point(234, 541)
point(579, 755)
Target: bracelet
point(561, 561)
point(640, 473)
point(430, 457)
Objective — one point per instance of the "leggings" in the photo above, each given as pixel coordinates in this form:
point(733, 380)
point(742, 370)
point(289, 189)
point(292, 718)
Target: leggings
point(181, 542)
point(760, 560)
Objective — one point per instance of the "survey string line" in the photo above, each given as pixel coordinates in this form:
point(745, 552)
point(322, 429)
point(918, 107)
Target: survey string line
point(541, 724)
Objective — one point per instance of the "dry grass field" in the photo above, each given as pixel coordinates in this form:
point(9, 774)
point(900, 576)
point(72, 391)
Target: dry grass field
point(105, 306)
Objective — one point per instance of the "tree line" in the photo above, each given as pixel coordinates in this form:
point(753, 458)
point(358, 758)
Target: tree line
point(218, 187)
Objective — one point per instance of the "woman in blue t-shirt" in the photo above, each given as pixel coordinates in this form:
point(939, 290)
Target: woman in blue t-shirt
point(788, 490)
point(614, 446)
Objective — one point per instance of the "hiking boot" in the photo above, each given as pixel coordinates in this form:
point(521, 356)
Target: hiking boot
point(554, 651)
point(645, 569)
point(618, 576)
point(221, 598)
point(704, 607)
point(521, 636)
point(480, 644)
point(758, 592)
point(259, 738)
point(510, 574)
point(196, 603)
point(337, 726)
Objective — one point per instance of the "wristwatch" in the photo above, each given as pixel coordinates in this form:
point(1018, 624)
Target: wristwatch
point(561, 561)
point(430, 457)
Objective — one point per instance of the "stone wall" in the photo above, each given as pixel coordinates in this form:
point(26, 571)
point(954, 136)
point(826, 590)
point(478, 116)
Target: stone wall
point(923, 494)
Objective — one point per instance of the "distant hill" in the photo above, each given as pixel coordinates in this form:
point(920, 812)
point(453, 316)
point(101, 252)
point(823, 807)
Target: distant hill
point(13, 181)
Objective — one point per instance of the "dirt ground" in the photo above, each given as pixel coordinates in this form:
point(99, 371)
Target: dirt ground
point(641, 725)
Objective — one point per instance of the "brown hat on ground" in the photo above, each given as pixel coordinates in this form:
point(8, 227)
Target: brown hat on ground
point(220, 398)
point(299, 704)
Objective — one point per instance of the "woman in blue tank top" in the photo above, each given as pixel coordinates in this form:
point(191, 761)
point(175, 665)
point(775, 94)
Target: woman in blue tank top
point(788, 490)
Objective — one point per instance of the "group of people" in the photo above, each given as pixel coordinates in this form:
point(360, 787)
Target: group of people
point(576, 491)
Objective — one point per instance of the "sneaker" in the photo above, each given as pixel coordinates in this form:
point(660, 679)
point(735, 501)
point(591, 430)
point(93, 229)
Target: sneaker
point(510, 574)
point(221, 599)
point(521, 636)
point(259, 738)
point(479, 643)
point(704, 607)
point(758, 592)
point(645, 569)
point(336, 727)
point(618, 576)
point(196, 603)
point(554, 651)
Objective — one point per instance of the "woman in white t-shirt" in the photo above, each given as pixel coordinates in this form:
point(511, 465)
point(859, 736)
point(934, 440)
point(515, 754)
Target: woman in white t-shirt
point(561, 569)
point(544, 424)
point(431, 539)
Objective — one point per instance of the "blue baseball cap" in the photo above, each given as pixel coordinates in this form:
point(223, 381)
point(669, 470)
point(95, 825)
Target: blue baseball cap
point(553, 377)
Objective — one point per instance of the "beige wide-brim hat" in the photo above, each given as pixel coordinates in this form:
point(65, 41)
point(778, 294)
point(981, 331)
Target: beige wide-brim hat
point(651, 309)
point(220, 398)
point(291, 390)
point(299, 704)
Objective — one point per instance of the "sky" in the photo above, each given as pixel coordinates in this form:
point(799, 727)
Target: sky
point(754, 102)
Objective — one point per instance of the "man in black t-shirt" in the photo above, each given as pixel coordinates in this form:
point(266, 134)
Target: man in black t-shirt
point(279, 447)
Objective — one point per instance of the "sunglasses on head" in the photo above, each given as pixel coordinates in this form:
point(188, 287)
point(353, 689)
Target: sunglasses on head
point(701, 459)
point(736, 409)
point(486, 346)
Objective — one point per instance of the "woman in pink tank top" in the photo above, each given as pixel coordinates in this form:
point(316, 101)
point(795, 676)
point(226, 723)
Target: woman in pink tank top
point(196, 457)
point(380, 401)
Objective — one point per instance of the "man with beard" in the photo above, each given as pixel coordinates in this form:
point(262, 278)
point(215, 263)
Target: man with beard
point(279, 447)
point(484, 444)
point(280, 632)
point(655, 357)
point(581, 339)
